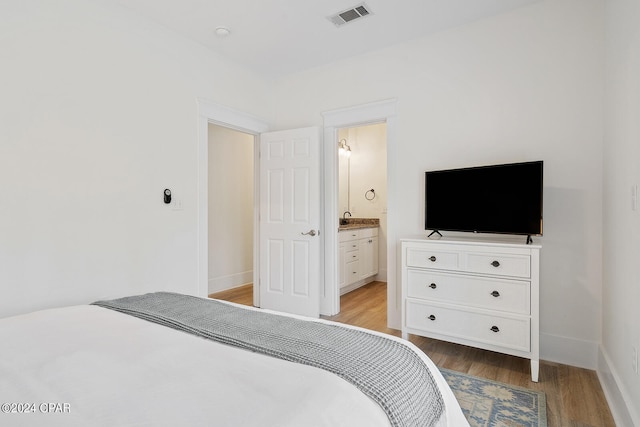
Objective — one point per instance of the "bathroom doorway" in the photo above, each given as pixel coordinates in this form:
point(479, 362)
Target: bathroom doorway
point(362, 181)
point(231, 184)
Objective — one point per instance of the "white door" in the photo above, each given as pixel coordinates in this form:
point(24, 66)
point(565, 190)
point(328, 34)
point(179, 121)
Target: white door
point(290, 243)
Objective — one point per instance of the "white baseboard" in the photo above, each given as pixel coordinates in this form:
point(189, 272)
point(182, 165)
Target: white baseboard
point(569, 351)
point(217, 284)
point(356, 285)
point(590, 355)
point(617, 397)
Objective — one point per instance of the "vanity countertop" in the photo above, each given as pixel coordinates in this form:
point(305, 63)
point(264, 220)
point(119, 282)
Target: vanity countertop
point(354, 223)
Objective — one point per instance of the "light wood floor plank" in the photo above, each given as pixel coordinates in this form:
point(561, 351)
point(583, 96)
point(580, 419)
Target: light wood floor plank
point(574, 395)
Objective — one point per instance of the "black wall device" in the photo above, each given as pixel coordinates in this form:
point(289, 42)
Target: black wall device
point(167, 196)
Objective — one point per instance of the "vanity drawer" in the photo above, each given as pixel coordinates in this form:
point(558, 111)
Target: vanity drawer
point(352, 255)
point(492, 329)
point(499, 264)
point(436, 259)
point(352, 271)
point(351, 245)
point(511, 296)
point(347, 235)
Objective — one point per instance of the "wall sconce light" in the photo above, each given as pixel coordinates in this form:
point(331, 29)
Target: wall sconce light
point(343, 147)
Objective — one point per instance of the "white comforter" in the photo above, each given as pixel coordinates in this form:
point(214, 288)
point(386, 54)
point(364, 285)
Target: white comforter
point(86, 365)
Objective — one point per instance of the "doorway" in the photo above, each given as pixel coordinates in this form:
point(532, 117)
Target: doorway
point(230, 219)
point(304, 148)
point(375, 112)
point(212, 113)
point(362, 181)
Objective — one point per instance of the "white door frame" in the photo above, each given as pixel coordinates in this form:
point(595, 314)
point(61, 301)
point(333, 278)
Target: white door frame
point(375, 112)
point(210, 112)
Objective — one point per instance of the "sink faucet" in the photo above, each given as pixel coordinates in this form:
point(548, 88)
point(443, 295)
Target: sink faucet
point(344, 215)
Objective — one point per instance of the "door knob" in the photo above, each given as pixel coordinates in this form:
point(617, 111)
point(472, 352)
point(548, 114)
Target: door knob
point(310, 233)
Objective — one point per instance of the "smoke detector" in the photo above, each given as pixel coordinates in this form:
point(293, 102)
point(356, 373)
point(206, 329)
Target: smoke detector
point(349, 15)
point(222, 32)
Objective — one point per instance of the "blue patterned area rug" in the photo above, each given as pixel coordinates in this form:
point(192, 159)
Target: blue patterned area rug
point(492, 404)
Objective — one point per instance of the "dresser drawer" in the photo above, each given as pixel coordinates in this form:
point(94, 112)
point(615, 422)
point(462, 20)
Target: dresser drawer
point(499, 264)
point(437, 259)
point(508, 332)
point(511, 296)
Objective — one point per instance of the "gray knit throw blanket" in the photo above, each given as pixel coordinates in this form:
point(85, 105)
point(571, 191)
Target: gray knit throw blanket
point(387, 371)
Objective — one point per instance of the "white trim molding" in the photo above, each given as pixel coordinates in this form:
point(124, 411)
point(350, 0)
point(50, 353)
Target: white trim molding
point(210, 112)
point(617, 396)
point(359, 115)
point(590, 355)
point(373, 112)
point(569, 351)
point(231, 281)
point(228, 117)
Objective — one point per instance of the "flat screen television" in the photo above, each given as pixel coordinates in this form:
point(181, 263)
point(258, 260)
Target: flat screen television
point(503, 199)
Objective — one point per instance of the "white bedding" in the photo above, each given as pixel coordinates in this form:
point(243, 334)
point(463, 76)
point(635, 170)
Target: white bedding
point(86, 365)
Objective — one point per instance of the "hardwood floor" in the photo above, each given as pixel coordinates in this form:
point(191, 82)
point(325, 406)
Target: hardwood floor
point(574, 395)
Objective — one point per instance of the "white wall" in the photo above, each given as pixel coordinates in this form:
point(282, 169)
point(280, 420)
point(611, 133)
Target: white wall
point(621, 288)
point(98, 115)
point(525, 85)
point(230, 208)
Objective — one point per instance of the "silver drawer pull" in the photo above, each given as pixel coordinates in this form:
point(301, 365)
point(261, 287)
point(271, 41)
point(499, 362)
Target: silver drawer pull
point(432, 317)
point(433, 286)
point(495, 329)
point(495, 294)
point(495, 264)
point(432, 258)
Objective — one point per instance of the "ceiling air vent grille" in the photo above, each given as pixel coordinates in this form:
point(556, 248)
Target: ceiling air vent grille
point(349, 15)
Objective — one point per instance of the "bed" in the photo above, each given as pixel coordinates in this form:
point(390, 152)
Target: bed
point(102, 364)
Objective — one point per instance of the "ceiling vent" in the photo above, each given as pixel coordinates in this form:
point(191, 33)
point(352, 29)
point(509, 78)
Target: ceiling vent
point(350, 15)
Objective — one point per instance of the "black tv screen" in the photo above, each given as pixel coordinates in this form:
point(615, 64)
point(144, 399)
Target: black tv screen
point(488, 199)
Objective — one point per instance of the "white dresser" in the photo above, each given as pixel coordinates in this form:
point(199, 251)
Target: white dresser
point(480, 293)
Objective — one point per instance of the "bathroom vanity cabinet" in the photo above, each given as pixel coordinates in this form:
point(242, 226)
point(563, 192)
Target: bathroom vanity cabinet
point(358, 257)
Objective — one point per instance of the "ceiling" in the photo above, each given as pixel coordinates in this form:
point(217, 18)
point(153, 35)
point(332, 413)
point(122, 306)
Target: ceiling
point(279, 37)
